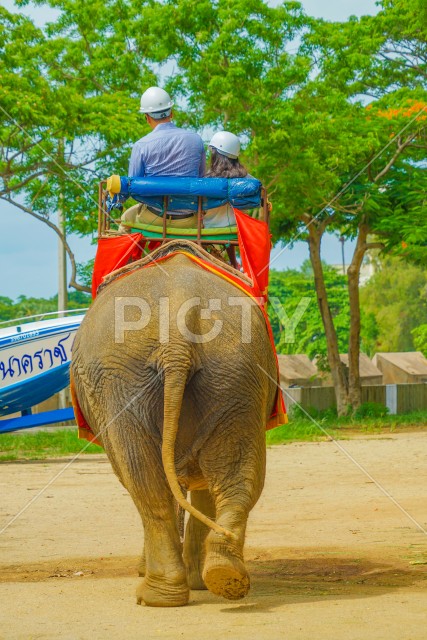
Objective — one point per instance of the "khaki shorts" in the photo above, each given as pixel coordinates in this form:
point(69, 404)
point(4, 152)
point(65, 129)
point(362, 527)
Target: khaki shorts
point(141, 213)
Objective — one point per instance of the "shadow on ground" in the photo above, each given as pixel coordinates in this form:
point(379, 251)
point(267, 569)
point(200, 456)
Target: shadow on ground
point(305, 579)
point(275, 581)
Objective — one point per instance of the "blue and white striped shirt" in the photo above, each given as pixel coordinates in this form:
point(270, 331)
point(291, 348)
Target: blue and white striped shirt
point(168, 151)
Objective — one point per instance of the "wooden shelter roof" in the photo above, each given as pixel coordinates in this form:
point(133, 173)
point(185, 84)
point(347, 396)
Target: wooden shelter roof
point(367, 368)
point(412, 362)
point(296, 367)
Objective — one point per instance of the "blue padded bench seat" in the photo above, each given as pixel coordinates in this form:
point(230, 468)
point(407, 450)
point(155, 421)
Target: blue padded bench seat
point(183, 193)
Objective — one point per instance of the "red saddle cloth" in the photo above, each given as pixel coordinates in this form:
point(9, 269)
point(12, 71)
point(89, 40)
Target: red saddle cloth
point(115, 252)
point(254, 245)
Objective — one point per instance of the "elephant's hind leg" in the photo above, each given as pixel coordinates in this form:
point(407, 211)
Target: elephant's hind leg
point(140, 470)
point(236, 485)
point(165, 581)
point(195, 538)
point(224, 571)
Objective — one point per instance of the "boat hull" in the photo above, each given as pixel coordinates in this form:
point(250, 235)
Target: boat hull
point(35, 362)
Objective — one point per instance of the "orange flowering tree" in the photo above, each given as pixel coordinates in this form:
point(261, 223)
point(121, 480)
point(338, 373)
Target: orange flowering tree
point(357, 166)
point(330, 125)
point(403, 227)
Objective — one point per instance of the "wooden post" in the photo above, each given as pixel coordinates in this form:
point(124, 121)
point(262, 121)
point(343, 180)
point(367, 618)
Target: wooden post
point(106, 214)
point(103, 224)
point(266, 213)
point(100, 209)
point(199, 220)
point(62, 262)
point(231, 252)
point(165, 210)
point(62, 282)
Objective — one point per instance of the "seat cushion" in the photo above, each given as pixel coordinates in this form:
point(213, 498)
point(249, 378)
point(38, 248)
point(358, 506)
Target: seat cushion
point(156, 231)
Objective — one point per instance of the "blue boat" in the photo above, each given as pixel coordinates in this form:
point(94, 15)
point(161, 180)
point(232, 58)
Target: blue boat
point(34, 365)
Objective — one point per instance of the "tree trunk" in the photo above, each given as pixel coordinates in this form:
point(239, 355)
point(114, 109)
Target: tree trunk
point(337, 370)
point(353, 273)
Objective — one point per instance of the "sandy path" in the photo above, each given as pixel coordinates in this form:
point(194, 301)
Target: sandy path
point(330, 556)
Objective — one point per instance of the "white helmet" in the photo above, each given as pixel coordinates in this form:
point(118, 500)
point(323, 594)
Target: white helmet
point(156, 102)
point(226, 143)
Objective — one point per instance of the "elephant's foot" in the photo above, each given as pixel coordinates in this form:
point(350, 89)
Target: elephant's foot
point(225, 574)
point(156, 592)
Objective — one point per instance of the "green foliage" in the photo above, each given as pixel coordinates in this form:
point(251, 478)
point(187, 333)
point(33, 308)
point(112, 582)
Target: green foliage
point(420, 338)
point(290, 287)
point(24, 306)
point(296, 412)
point(404, 229)
point(380, 64)
point(55, 443)
point(295, 431)
point(370, 410)
point(85, 271)
point(394, 301)
point(300, 108)
point(370, 333)
point(367, 55)
point(69, 96)
point(228, 53)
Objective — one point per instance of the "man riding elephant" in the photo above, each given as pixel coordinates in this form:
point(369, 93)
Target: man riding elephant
point(166, 151)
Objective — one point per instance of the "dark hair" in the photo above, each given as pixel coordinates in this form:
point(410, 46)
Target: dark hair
point(223, 167)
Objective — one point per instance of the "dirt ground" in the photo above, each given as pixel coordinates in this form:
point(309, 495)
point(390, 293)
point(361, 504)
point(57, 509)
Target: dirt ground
point(330, 556)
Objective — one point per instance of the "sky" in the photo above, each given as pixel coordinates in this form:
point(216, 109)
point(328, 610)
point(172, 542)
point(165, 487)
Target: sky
point(29, 249)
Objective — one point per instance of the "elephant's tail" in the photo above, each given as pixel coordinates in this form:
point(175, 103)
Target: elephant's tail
point(175, 382)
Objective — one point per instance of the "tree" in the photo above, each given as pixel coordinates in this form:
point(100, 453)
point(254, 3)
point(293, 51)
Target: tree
point(404, 231)
point(420, 338)
point(396, 297)
point(377, 201)
point(384, 59)
point(10, 310)
point(77, 83)
point(90, 66)
point(235, 70)
point(294, 315)
point(388, 142)
point(308, 128)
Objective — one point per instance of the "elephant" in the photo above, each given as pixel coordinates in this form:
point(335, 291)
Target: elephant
point(179, 391)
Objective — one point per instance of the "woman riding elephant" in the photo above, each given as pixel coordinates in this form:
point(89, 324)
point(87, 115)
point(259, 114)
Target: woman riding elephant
point(224, 163)
point(174, 371)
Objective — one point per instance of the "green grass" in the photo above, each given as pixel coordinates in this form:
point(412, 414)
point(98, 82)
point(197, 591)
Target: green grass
point(301, 428)
point(43, 444)
point(64, 442)
point(298, 430)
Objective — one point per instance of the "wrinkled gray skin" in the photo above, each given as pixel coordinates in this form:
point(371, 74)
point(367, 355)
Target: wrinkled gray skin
point(181, 410)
